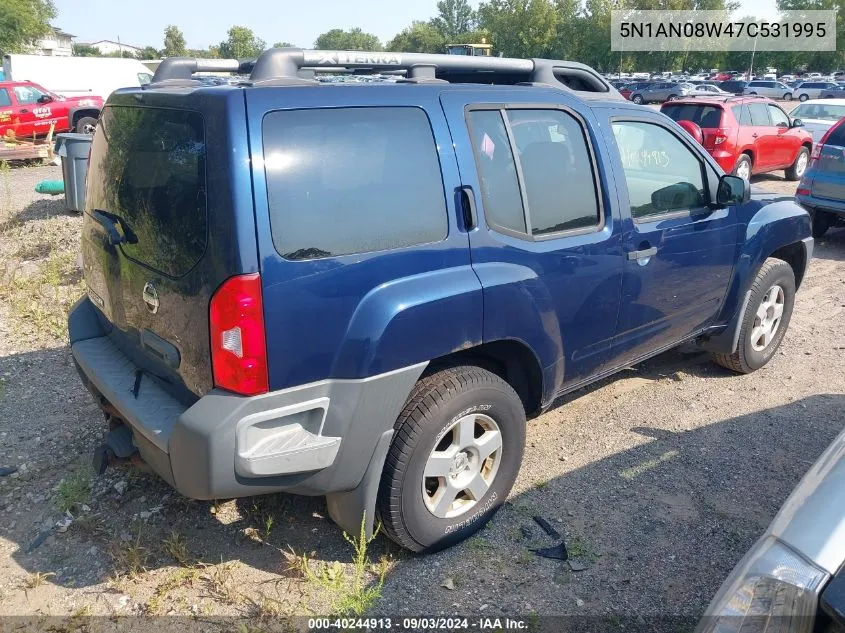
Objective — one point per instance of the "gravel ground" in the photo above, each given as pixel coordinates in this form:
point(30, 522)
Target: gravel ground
point(659, 479)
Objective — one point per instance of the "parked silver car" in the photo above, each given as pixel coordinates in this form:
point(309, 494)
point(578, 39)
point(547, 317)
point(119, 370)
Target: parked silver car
point(796, 566)
point(661, 91)
point(768, 88)
point(811, 89)
point(711, 90)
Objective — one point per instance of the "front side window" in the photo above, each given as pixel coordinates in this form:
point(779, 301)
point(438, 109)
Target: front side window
point(663, 174)
point(778, 116)
point(27, 94)
point(557, 183)
point(759, 114)
point(352, 180)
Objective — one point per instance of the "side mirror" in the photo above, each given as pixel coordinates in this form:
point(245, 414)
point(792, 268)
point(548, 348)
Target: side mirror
point(796, 123)
point(732, 190)
point(45, 99)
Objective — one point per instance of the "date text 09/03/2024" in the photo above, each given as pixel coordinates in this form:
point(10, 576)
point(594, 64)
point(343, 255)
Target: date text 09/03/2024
point(419, 624)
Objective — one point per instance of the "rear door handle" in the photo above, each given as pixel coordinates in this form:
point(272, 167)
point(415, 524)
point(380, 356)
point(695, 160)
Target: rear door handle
point(24, 110)
point(754, 135)
point(643, 254)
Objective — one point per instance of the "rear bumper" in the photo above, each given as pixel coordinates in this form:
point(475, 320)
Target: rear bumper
point(311, 439)
point(825, 204)
point(726, 160)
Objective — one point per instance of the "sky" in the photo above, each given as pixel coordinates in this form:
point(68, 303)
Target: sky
point(205, 22)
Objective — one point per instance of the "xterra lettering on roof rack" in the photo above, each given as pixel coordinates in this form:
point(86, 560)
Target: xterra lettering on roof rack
point(288, 66)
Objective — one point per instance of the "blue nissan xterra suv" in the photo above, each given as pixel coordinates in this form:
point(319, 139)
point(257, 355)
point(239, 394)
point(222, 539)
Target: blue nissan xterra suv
point(361, 290)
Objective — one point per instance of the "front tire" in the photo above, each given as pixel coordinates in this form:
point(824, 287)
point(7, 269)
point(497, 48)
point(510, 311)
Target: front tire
point(766, 318)
point(803, 98)
point(86, 125)
point(787, 96)
point(456, 451)
point(799, 165)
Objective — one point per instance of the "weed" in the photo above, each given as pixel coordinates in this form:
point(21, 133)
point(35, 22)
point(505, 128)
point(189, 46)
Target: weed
point(179, 578)
point(525, 557)
point(131, 559)
point(35, 580)
point(221, 584)
point(582, 550)
point(74, 491)
point(479, 543)
point(541, 485)
point(268, 525)
point(176, 546)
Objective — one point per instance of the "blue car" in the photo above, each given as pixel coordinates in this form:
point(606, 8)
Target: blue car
point(363, 290)
point(822, 188)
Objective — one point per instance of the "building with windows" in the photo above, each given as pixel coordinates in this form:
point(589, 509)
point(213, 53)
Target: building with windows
point(110, 47)
point(57, 43)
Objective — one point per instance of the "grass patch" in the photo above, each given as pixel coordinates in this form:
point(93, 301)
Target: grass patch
point(177, 547)
point(580, 549)
point(74, 491)
point(349, 593)
point(177, 579)
point(130, 559)
point(35, 580)
point(220, 583)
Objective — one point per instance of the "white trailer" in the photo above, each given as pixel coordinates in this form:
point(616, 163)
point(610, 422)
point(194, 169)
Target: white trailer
point(77, 76)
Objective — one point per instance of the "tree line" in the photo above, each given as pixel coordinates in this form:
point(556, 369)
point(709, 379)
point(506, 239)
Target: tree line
point(559, 29)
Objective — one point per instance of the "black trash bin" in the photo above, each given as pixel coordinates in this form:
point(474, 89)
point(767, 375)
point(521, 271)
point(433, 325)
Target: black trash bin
point(73, 150)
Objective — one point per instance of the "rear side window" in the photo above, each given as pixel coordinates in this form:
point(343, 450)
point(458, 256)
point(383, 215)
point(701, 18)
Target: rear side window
point(352, 180)
point(759, 114)
point(837, 136)
point(554, 190)
point(148, 169)
point(741, 114)
point(705, 116)
point(4, 98)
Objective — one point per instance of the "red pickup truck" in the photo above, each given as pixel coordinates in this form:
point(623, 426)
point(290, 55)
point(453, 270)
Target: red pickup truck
point(27, 110)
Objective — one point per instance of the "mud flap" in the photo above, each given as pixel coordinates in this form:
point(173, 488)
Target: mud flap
point(348, 508)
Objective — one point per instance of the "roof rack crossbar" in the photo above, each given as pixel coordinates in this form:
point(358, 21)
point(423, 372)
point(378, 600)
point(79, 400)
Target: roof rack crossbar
point(185, 67)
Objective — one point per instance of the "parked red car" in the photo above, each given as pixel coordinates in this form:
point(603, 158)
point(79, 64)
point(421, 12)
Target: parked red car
point(27, 110)
point(747, 135)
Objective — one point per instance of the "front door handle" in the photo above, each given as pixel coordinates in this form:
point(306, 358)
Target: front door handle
point(643, 254)
point(24, 110)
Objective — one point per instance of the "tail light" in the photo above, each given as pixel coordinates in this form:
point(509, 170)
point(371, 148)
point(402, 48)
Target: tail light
point(817, 148)
point(238, 346)
point(720, 136)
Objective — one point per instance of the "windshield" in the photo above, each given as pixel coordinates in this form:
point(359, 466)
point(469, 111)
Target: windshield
point(819, 111)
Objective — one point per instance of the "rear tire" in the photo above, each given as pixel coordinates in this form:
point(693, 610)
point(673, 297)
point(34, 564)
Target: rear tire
point(765, 320)
point(803, 97)
point(638, 99)
point(787, 96)
point(86, 125)
point(673, 98)
point(442, 430)
point(799, 166)
point(743, 167)
point(821, 222)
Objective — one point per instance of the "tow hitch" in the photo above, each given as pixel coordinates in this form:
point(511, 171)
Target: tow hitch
point(117, 447)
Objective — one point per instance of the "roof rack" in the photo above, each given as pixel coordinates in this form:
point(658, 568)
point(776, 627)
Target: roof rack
point(288, 66)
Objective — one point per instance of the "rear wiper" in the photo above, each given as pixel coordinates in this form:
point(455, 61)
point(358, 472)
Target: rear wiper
point(111, 222)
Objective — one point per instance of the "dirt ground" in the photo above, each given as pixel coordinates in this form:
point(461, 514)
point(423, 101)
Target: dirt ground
point(659, 480)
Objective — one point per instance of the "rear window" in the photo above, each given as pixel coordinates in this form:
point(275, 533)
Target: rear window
point(352, 180)
point(705, 116)
point(837, 136)
point(148, 168)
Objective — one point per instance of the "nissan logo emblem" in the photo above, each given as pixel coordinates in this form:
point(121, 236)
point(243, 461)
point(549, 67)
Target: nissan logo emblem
point(150, 297)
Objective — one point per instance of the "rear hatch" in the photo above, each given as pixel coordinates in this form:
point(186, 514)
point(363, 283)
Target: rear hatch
point(707, 116)
point(150, 258)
